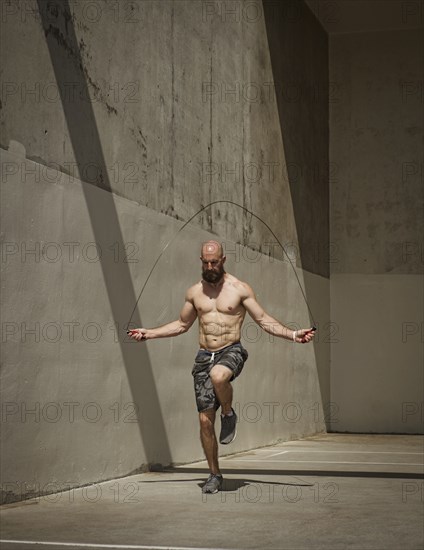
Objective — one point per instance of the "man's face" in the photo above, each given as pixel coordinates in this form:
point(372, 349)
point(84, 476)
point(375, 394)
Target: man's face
point(212, 266)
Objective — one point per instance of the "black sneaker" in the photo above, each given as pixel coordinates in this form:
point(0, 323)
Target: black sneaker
point(213, 484)
point(228, 428)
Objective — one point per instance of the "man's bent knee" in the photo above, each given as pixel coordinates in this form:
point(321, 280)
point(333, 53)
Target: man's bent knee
point(220, 374)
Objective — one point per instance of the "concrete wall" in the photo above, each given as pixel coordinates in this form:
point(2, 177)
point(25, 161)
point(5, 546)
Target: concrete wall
point(189, 118)
point(80, 402)
point(299, 54)
point(175, 124)
point(376, 151)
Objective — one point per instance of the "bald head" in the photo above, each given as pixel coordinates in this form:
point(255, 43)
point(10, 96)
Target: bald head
point(212, 247)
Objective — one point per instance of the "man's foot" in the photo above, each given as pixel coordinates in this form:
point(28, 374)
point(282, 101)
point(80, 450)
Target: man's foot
point(228, 428)
point(213, 484)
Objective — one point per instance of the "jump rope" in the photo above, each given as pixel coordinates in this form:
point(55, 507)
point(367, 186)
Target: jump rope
point(187, 223)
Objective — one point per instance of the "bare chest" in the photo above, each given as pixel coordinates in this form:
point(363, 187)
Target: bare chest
point(221, 302)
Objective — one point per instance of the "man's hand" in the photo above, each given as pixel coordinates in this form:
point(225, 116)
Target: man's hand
point(138, 334)
point(304, 335)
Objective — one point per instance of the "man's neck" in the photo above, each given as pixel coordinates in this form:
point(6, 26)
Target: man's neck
point(218, 283)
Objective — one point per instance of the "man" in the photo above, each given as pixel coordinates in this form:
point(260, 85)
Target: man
point(219, 301)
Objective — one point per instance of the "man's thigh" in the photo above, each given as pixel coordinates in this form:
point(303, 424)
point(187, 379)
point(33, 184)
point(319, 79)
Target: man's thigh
point(204, 391)
point(233, 359)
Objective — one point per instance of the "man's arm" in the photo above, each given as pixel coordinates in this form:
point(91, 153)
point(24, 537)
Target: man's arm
point(187, 317)
point(268, 323)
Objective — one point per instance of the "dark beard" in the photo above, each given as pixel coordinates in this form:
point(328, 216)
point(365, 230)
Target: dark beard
point(213, 276)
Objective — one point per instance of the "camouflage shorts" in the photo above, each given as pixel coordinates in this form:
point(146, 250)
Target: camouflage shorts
point(232, 356)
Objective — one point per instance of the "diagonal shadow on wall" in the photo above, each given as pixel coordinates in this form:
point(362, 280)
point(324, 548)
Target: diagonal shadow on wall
point(298, 49)
point(69, 68)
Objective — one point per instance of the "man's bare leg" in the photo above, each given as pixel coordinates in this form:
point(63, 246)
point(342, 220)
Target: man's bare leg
point(208, 439)
point(220, 376)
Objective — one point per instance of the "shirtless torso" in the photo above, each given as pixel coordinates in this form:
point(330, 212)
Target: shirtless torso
point(219, 301)
point(220, 311)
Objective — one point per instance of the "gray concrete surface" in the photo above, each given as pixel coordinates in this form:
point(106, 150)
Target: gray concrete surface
point(376, 120)
point(377, 226)
point(88, 404)
point(154, 147)
point(349, 16)
point(333, 492)
point(182, 108)
point(377, 376)
point(177, 107)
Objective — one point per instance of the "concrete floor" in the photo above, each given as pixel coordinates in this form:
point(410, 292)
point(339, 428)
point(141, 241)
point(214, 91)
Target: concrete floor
point(325, 492)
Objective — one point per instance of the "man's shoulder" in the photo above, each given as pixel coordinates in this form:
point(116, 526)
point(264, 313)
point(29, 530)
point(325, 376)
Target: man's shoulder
point(241, 286)
point(193, 290)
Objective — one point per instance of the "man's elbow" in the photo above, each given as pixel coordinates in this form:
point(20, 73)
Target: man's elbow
point(267, 325)
point(261, 322)
point(183, 328)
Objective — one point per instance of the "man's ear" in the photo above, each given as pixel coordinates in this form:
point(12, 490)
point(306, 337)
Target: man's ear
point(223, 259)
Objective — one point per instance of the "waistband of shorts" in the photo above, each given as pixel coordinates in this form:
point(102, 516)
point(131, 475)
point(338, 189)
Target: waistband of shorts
point(220, 350)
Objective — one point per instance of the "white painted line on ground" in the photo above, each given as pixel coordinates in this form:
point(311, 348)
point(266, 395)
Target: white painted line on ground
point(334, 462)
point(280, 453)
point(249, 453)
point(90, 545)
point(261, 458)
point(348, 452)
